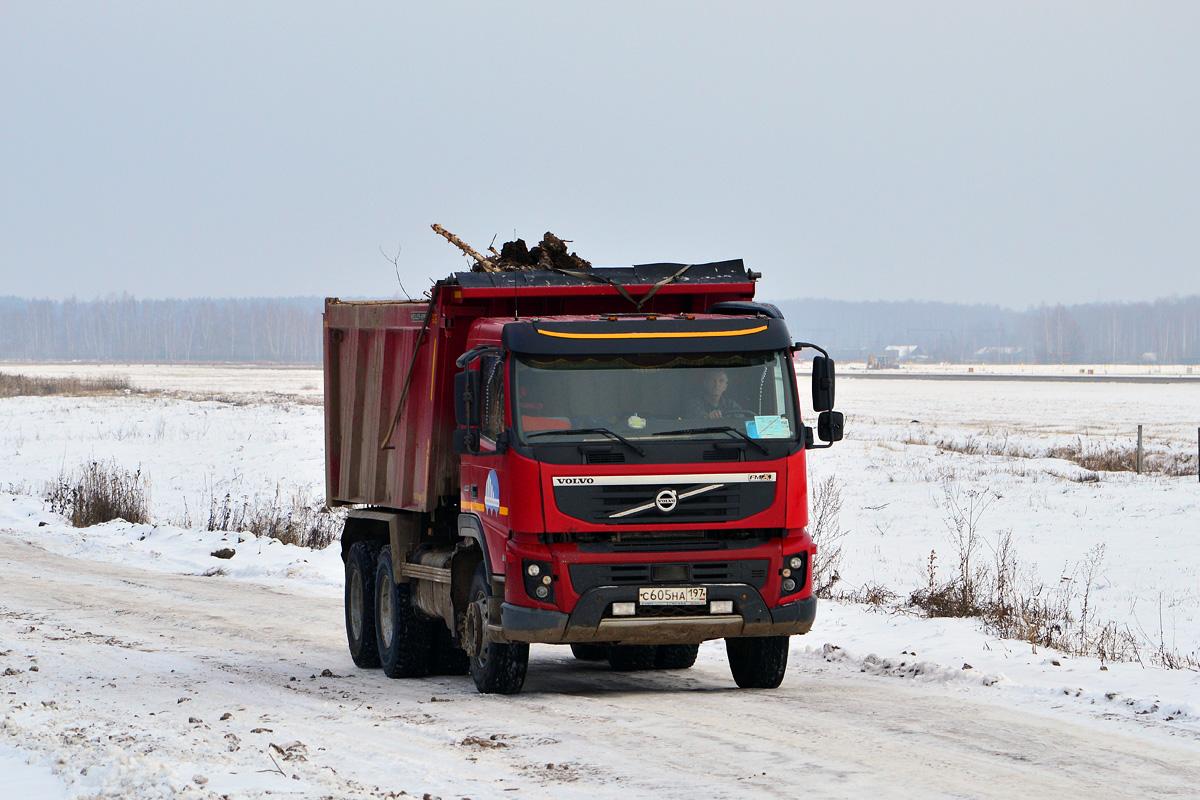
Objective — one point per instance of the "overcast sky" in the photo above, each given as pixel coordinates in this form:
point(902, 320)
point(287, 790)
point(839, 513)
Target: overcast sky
point(1010, 153)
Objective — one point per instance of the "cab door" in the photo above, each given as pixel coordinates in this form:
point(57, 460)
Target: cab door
point(485, 489)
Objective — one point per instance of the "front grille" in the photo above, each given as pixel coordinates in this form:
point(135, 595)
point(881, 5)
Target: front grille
point(627, 541)
point(614, 505)
point(717, 504)
point(587, 576)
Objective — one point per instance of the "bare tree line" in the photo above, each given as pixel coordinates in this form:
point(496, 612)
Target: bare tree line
point(126, 329)
point(1165, 331)
point(288, 330)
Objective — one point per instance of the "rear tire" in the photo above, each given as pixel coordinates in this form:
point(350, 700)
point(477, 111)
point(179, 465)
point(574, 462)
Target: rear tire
point(360, 603)
point(498, 668)
point(676, 656)
point(758, 662)
point(590, 652)
point(403, 635)
point(632, 657)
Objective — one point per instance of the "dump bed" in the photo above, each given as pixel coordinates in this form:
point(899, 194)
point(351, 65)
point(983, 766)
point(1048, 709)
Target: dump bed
point(389, 366)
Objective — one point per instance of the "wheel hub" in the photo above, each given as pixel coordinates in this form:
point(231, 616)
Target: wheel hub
point(356, 605)
point(384, 604)
point(473, 630)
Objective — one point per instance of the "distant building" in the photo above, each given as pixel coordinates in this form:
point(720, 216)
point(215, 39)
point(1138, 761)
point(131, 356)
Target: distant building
point(1000, 355)
point(904, 352)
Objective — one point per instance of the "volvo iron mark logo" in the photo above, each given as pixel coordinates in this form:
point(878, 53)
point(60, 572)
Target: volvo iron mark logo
point(666, 500)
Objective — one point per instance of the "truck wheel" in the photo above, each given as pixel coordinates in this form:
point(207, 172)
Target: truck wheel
point(630, 657)
point(444, 657)
point(590, 652)
point(758, 662)
point(497, 668)
point(676, 656)
point(360, 603)
point(403, 635)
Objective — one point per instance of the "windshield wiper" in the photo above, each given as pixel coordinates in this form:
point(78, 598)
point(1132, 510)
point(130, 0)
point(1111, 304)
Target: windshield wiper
point(604, 431)
point(718, 429)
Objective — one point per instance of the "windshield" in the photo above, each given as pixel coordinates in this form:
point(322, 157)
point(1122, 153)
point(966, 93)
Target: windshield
point(592, 398)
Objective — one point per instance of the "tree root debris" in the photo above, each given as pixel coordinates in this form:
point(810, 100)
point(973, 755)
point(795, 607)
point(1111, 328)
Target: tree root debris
point(551, 253)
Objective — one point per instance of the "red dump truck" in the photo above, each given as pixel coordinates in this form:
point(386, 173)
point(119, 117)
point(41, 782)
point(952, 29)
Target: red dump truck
point(611, 459)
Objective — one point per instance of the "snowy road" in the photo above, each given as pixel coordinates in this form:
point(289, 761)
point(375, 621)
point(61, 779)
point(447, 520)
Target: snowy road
point(135, 671)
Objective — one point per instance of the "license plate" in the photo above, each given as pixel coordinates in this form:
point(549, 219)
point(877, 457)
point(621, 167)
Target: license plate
point(673, 596)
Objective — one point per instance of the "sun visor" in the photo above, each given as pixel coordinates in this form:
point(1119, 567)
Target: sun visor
point(646, 336)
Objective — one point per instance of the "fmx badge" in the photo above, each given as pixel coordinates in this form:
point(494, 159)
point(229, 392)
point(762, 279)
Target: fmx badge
point(491, 494)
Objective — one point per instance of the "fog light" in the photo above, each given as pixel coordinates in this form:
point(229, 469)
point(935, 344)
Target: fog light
point(542, 592)
point(796, 563)
point(624, 609)
point(721, 607)
point(534, 570)
point(789, 585)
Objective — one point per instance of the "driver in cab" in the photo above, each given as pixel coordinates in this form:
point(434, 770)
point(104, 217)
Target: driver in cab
point(712, 403)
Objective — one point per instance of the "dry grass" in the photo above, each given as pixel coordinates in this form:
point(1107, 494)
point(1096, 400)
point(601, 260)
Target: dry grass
point(987, 580)
point(827, 534)
point(25, 386)
point(100, 492)
point(1095, 458)
point(869, 594)
point(242, 399)
point(291, 521)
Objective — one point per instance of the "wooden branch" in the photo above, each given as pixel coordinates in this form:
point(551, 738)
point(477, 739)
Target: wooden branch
point(484, 264)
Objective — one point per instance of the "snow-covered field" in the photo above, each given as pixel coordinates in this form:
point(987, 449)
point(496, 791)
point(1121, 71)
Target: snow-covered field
point(196, 448)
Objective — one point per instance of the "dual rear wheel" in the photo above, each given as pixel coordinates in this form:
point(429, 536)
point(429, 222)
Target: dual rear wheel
point(384, 628)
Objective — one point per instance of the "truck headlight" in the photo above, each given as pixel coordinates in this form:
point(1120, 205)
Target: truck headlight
point(539, 580)
point(794, 574)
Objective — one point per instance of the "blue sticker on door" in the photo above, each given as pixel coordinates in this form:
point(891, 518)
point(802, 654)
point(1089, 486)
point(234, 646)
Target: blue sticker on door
point(491, 494)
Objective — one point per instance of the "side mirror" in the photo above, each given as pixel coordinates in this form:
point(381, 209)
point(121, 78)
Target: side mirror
point(822, 384)
point(466, 398)
point(829, 426)
point(464, 442)
point(466, 412)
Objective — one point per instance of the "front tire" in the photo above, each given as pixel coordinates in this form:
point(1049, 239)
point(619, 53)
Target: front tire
point(360, 603)
point(676, 656)
point(632, 657)
point(758, 662)
point(590, 652)
point(403, 635)
point(497, 667)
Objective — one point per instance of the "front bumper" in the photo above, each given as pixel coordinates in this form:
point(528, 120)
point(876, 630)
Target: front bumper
point(591, 621)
